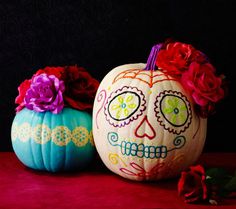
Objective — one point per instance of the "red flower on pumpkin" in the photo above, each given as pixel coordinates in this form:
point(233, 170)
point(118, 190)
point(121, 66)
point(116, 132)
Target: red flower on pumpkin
point(176, 57)
point(59, 72)
point(203, 85)
point(22, 89)
point(80, 86)
point(192, 68)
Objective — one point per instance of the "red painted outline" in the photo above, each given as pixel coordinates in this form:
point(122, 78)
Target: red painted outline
point(145, 119)
point(140, 172)
point(134, 73)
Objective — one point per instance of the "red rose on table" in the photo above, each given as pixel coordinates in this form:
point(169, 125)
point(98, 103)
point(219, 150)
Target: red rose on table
point(204, 86)
point(192, 184)
point(24, 86)
point(176, 58)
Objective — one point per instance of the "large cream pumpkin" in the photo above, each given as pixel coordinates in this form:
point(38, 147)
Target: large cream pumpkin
point(144, 124)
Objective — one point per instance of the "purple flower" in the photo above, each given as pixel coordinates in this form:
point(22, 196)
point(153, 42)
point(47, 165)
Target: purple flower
point(45, 94)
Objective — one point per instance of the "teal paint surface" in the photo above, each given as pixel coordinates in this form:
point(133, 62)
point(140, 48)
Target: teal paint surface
point(50, 156)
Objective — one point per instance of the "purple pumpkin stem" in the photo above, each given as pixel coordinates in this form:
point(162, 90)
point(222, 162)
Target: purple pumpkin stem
point(151, 62)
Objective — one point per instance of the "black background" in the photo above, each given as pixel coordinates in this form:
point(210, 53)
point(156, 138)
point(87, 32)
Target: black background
point(100, 35)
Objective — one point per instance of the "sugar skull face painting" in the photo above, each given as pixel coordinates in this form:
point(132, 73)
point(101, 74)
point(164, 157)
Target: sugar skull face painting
point(145, 123)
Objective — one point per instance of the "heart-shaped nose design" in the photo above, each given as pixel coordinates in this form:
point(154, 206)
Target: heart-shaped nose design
point(145, 129)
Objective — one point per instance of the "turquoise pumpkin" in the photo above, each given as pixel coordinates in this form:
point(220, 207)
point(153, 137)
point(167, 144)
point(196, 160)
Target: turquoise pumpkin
point(53, 142)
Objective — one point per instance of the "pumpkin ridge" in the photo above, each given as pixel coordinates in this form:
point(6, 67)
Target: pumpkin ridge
point(31, 142)
point(42, 147)
point(50, 145)
point(64, 147)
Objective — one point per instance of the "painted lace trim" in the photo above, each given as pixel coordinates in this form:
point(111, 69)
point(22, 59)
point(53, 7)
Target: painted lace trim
point(60, 135)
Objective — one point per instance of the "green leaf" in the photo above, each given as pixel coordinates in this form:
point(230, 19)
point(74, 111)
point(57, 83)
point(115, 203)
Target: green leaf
point(231, 185)
point(216, 172)
point(217, 176)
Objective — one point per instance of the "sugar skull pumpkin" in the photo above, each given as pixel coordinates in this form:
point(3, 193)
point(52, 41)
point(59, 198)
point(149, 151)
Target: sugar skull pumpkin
point(145, 124)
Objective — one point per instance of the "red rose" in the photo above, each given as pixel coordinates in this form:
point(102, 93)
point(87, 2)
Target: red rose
point(204, 86)
point(176, 58)
point(24, 86)
point(59, 72)
point(81, 88)
point(192, 184)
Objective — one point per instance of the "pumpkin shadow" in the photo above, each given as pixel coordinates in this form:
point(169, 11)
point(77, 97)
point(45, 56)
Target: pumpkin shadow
point(95, 167)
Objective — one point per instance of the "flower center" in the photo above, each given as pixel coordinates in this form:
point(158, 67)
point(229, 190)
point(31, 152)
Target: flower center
point(123, 105)
point(176, 110)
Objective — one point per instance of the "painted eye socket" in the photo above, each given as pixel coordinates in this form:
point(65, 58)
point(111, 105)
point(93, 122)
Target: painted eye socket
point(124, 105)
point(173, 111)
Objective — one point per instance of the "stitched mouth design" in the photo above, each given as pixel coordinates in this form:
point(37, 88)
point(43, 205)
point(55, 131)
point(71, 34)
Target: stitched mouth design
point(142, 151)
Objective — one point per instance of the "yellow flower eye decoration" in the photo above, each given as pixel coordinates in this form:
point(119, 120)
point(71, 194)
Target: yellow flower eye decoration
point(173, 111)
point(124, 106)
